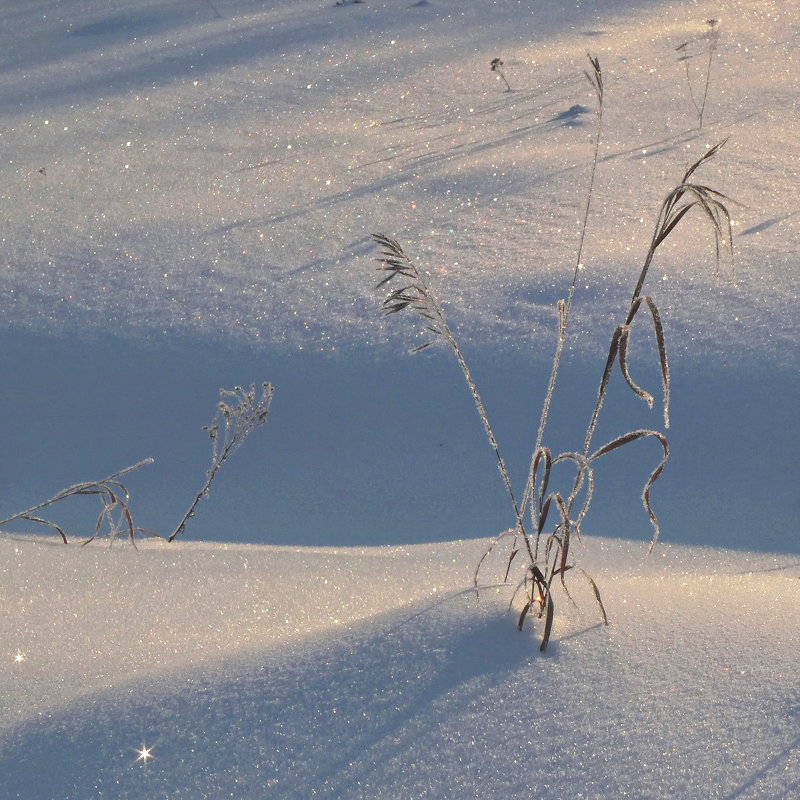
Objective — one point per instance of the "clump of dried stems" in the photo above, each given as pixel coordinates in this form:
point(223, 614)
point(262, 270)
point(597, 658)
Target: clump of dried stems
point(547, 521)
point(711, 37)
point(115, 518)
point(239, 413)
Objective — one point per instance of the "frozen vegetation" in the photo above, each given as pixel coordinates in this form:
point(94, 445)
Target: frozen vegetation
point(189, 190)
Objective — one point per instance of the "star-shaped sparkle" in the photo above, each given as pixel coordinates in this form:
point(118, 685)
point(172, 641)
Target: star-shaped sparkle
point(145, 754)
point(19, 657)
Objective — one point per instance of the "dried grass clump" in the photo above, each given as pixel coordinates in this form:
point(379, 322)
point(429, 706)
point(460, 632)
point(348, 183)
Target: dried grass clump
point(239, 413)
point(547, 520)
point(115, 518)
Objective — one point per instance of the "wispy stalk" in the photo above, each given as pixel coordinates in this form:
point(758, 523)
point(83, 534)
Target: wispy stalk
point(687, 195)
point(595, 77)
point(414, 293)
point(241, 412)
point(713, 39)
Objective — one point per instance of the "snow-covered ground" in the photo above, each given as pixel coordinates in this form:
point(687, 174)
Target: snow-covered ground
point(256, 671)
point(188, 190)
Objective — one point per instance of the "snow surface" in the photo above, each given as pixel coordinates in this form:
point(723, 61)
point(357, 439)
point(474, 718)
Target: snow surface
point(189, 190)
point(257, 671)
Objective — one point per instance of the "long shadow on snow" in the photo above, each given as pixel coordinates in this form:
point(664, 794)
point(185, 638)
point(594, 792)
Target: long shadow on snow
point(365, 448)
point(777, 764)
point(423, 163)
point(203, 53)
point(198, 53)
point(314, 719)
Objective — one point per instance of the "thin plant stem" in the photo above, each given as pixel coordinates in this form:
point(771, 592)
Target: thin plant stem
point(238, 422)
point(419, 296)
point(711, 49)
point(78, 488)
point(112, 493)
point(495, 66)
point(596, 79)
point(713, 38)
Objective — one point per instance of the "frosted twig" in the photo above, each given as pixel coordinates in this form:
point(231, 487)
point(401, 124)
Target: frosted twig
point(239, 413)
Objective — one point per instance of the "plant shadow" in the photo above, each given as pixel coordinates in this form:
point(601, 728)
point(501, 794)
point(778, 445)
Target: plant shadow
point(316, 718)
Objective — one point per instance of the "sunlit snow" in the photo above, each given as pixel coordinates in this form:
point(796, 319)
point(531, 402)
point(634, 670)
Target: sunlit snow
point(189, 190)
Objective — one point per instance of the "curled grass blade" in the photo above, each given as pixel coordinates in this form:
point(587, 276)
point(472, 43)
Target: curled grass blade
point(633, 436)
point(57, 528)
point(113, 495)
point(622, 357)
point(596, 592)
point(497, 539)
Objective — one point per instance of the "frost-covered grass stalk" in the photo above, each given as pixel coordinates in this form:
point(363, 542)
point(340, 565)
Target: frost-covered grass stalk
point(595, 77)
point(547, 520)
point(699, 101)
point(239, 413)
point(115, 517)
point(687, 195)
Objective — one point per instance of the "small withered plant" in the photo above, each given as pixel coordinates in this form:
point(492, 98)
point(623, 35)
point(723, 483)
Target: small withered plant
point(546, 520)
point(711, 38)
point(115, 518)
point(239, 413)
point(496, 65)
